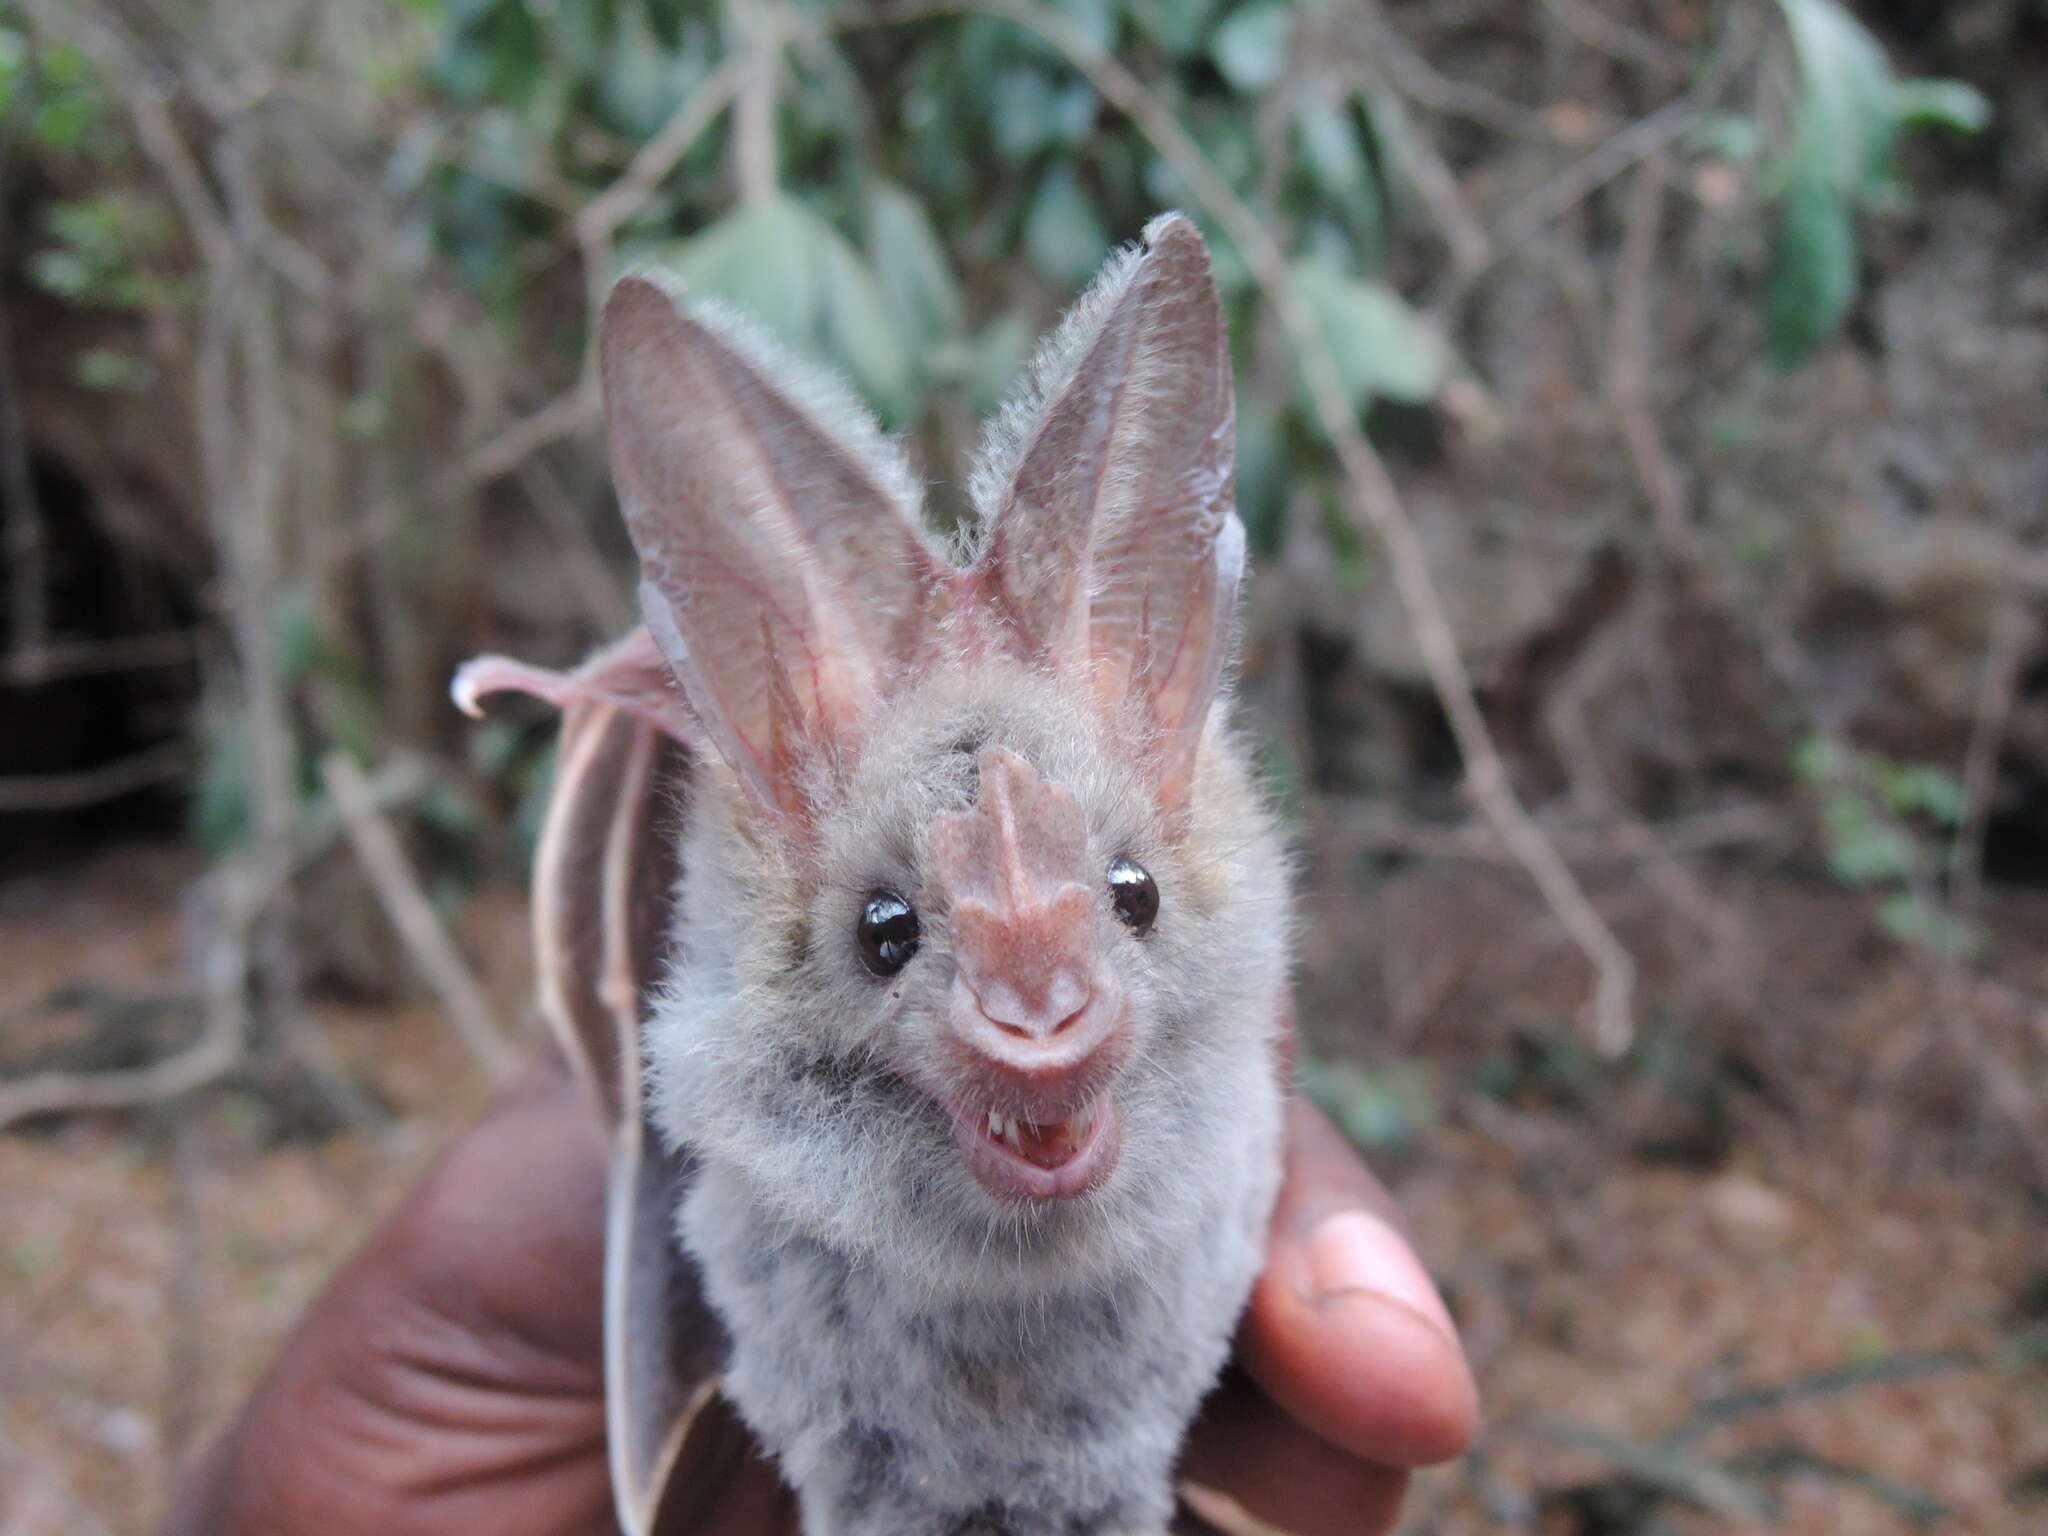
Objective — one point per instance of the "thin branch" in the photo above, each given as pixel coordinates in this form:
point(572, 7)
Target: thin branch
point(1617, 153)
point(94, 786)
point(755, 158)
point(1372, 500)
point(1629, 382)
point(1358, 826)
point(1398, 62)
point(232, 898)
point(28, 595)
point(135, 82)
point(1602, 33)
point(92, 658)
point(650, 167)
point(601, 217)
point(398, 889)
point(604, 596)
point(1996, 687)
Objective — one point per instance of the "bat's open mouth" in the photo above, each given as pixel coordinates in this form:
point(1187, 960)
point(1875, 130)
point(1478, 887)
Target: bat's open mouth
point(1018, 1159)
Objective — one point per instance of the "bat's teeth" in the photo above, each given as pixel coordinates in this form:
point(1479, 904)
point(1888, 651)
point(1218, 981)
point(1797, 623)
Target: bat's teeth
point(1012, 1136)
point(995, 1124)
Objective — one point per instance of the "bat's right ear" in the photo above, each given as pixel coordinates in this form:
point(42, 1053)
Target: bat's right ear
point(783, 571)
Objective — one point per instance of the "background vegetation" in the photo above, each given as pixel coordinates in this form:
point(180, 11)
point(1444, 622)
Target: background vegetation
point(1644, 443)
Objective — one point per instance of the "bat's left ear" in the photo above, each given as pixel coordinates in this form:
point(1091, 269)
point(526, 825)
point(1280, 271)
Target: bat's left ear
point(1115, 550)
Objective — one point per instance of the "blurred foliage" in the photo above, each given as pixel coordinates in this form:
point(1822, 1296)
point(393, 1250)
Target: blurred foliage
point(1385, 1108)
point(939, 184)
point(1849, 112)
point(1887, 828)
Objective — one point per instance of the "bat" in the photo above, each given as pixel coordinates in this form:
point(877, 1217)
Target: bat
point(910, 909)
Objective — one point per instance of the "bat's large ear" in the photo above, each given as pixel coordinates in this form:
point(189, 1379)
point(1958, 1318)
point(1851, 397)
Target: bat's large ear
point(783, 572)
point(1109, 488)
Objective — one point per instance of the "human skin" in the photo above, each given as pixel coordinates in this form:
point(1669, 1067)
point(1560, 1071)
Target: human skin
point(450, 1376)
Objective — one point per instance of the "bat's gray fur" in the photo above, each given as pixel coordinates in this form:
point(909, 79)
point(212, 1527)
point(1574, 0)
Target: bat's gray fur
point(925, 1359)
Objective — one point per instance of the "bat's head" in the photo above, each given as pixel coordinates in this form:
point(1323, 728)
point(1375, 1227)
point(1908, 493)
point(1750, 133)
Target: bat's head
point(971, 929)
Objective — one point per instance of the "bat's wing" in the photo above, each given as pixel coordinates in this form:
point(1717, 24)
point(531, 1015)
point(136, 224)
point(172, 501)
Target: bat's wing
point(604, 880)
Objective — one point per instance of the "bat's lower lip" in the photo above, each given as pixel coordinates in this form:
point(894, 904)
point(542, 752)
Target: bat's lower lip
point(1057, 1173)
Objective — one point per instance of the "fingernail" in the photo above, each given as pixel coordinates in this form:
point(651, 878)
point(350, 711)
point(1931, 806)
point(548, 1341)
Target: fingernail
point(1354, 1252)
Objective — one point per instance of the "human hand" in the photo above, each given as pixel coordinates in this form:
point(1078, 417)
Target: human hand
point(450, 1376)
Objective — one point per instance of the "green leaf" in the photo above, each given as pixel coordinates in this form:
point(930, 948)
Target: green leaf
point(1093, 19)
point(218, 812)
point(13, 63)
point(1848, 105)
point(924, 301)
point(1261, 477)
point(999, 353)
point(1943, 103)
point(801, 279)
point(1380, 348)
point(64, 273)
point(1251, 47)
point(761, 258)
point(1913, 919)
point(1863, 847)
point(1062, 233)
point(1385, 1108)
point(1812, 279)
point(1921, 789)
point(295, 632)
point(856, 330)
point(111, 368)
point(1026, 112)
point(1178, 26)
point(1329, 146)
point(1731, 136)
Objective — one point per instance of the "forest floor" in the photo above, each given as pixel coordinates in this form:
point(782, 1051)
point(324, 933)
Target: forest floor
point(1795, 1183)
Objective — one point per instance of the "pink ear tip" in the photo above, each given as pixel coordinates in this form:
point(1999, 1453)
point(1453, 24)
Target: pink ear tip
point(1170, 225)
point(484, 675)
point(462, 688)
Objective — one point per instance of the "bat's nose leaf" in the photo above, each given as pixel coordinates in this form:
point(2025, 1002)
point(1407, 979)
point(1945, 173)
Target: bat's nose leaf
point(1034, 1007)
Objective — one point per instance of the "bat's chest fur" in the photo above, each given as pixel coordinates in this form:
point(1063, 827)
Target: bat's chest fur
point(901, 1410)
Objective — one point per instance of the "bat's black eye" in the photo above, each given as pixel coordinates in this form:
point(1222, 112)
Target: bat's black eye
point(1133, 894)
point(888, 933)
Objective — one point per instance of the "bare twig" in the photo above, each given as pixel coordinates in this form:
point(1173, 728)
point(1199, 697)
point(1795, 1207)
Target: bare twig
point(1372, 499)
point(215, 1052)
point(650, 166)
point(1359, 826)
point(1408, 72)
point(1437, 185)
point(578, 408)
point(1631, 146)
point(600, 218)
point(1995, 689)
point(28, 596)
point(753, 131)
point(232, 900)
point(603, 594)
point(94, 786)
point(575, 410)
point(1601, 32)
point(398, 889)
point(89, 658)
point(1629, 383)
